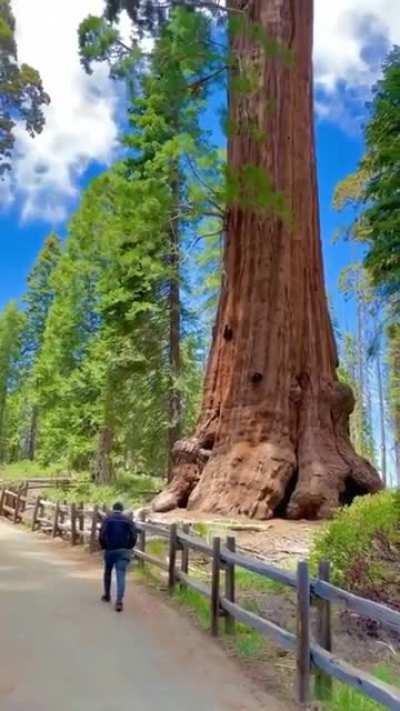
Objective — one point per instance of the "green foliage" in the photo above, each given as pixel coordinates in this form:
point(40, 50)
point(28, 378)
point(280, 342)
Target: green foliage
point(347, 699)
point(383, 149)
point(348, 540)
point(252, 188)
point(22, 96)
point(11, 325)
point(355, 283)
point(372, 189)
point(98, 375)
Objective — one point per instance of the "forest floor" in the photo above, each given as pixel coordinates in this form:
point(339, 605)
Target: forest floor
point(279, 541)
point(61, 648)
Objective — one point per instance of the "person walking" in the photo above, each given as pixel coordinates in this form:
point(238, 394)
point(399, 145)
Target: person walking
point(117, 538)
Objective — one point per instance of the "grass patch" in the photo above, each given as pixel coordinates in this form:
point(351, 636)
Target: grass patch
point(247, 582)
point(196, 603)
point(347, 699)
point(156, 547)
point(29, 470)
point(130, 490)
point(247, 643)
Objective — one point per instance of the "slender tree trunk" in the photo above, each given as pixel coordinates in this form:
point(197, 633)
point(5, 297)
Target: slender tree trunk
point(273, 432)
point(394, 391)
point(32, 434)
point(382, 416)
point(103, 469)
point(174, 404)
point(397, 462)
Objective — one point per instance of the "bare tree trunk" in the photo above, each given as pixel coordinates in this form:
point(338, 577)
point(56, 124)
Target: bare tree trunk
point(273, 432)
point(382, 416)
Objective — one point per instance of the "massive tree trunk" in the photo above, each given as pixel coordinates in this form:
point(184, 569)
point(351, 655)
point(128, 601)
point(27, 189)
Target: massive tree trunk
point(272, 438)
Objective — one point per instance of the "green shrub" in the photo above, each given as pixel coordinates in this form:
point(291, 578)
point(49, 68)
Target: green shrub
point(349, 539)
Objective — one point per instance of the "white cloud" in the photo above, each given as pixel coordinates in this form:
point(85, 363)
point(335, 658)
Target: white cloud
point(80, 121)
point(351, 38)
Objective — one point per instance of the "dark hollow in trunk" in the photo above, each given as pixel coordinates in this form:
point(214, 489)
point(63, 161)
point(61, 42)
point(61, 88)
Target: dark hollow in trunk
point(272, 404)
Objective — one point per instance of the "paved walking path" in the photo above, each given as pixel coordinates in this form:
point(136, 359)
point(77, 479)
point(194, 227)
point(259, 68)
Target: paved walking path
point(63, 650)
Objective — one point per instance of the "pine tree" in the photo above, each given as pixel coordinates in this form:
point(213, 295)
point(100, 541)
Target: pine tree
point(11, 325)
point(167, 145)
point(355, 283)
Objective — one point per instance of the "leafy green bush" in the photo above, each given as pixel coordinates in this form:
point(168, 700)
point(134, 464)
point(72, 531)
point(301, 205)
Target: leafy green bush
point(354, 540)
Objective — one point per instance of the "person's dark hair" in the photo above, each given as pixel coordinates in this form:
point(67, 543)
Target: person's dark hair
point(118, 506)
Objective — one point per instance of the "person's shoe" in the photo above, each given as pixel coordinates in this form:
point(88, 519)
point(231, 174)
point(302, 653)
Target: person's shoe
point(119, 607)
point(106, 598)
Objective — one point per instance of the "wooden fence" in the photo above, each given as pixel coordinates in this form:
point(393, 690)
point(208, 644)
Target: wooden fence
point(81, 525)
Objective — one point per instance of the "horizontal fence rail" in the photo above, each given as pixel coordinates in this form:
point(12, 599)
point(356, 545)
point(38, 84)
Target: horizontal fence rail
point(80, 525)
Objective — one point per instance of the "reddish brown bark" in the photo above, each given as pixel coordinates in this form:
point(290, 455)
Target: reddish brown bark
point(273, 433)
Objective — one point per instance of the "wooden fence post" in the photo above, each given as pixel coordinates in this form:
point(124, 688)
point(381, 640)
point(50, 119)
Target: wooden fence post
point(172, 557)
point(2, 497)
point(25, 492)
point(55, 529)
point(142, 538)
point(230, 585)
point(74, 533)
point(303, 633)
point(215, 578)
point(323, 682)
point(185, 551)
point(17, 502)
point(93, 528)
point(35, 513)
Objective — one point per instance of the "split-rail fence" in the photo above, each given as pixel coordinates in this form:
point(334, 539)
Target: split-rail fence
point(80, 524)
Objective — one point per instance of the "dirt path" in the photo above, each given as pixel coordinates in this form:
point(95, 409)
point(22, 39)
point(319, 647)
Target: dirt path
point(63, 650)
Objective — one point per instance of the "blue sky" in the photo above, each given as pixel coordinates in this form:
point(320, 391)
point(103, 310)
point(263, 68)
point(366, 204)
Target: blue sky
point(81, 135)
point(338, 153)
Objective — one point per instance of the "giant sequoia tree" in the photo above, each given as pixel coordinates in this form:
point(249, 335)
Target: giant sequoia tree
point(273, 431)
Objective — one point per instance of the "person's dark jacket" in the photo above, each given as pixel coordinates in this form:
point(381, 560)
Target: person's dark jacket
point(117, 532)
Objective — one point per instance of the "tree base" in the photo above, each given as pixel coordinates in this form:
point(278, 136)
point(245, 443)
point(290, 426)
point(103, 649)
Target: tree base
point(267, 479)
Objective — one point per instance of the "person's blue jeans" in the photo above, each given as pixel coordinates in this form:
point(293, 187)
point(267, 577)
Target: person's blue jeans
point(119, 560)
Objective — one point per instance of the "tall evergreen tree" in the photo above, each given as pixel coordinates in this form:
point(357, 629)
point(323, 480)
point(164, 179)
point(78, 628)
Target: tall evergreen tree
point(38, 299)
point(167, 142)
point(11, 325)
